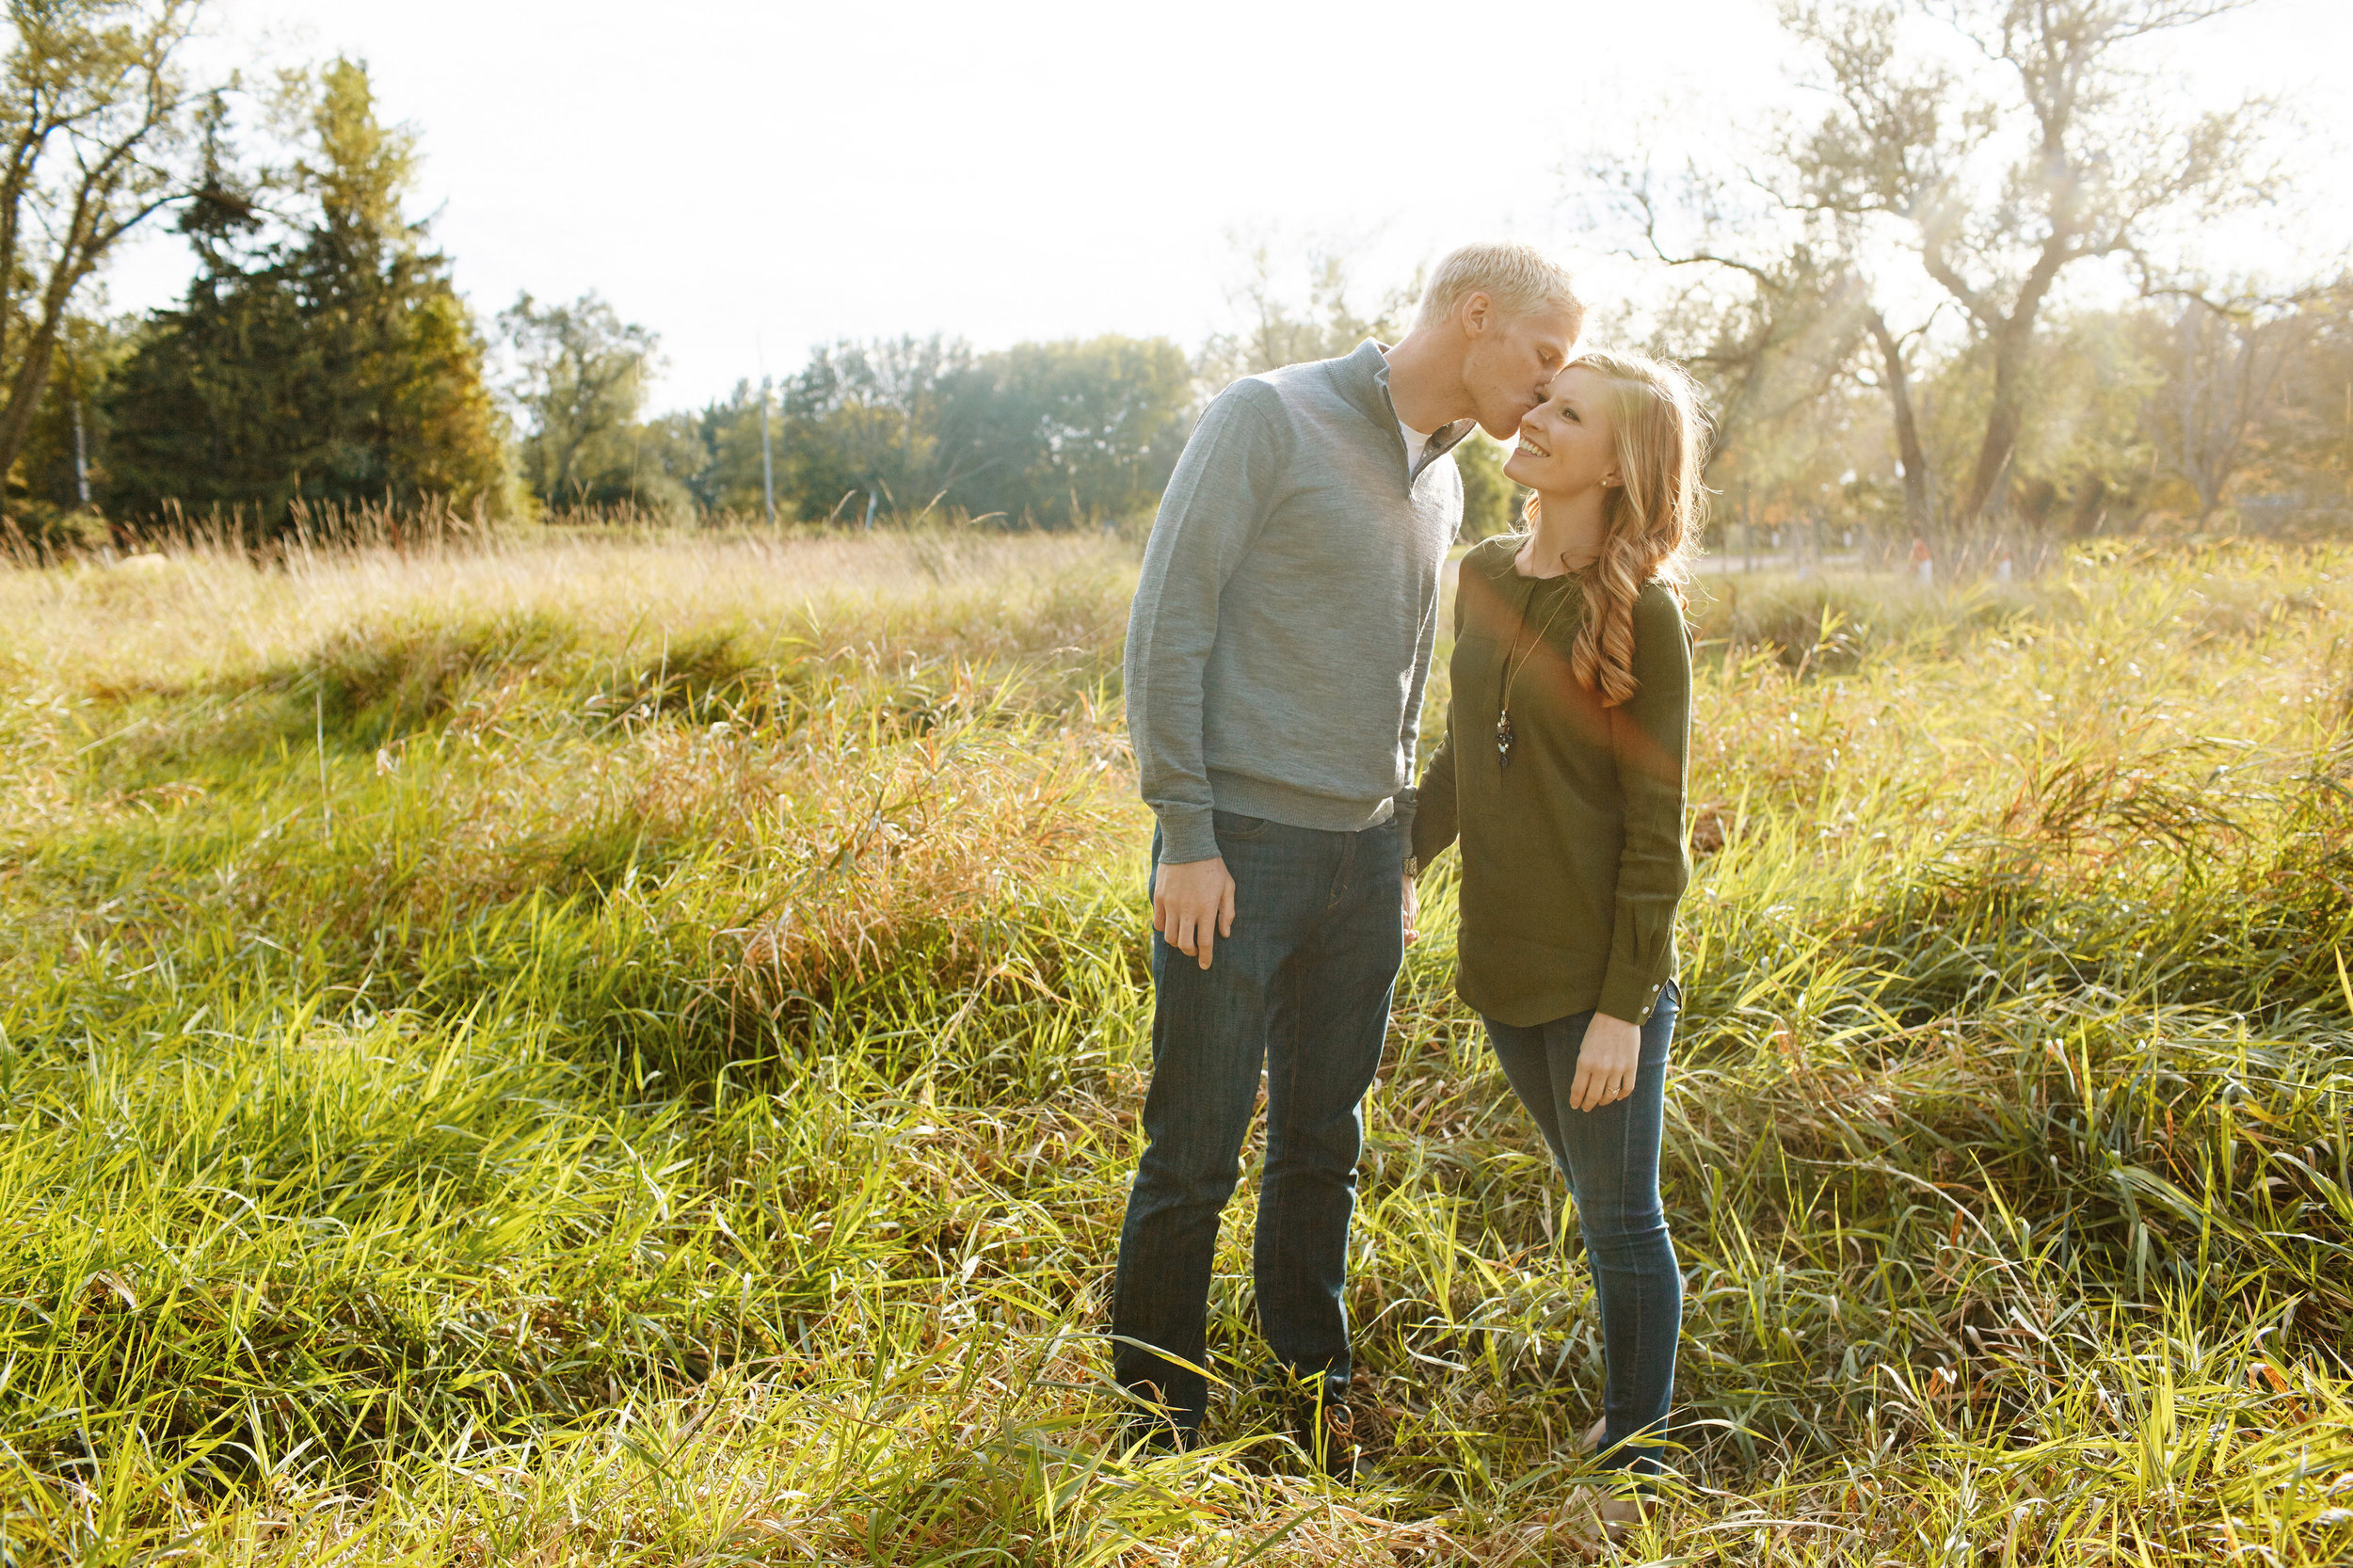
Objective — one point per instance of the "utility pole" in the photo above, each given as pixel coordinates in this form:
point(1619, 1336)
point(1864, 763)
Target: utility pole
point(81, 454)
point(767, 463)
point(80, 439)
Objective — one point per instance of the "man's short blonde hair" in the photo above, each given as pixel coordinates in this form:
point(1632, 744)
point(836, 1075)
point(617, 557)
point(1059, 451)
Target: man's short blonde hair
point(1520, 281)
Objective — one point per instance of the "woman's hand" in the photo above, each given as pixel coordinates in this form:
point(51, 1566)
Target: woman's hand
point(1605, 1063)
point(1413, 912)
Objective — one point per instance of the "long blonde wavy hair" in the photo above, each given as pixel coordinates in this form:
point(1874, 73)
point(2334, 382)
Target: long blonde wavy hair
point(1649, 520)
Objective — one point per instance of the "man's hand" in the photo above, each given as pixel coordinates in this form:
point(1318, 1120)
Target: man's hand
point(1605, 1063)
point(1413, 912)
point(1192, 906)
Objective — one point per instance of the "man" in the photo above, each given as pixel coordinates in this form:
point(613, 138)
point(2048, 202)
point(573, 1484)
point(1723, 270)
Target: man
point(1276, 654)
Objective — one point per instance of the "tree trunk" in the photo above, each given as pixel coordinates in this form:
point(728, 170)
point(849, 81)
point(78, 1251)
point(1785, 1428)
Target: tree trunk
point(1907, 428)
point(2013, 342)
point(24, 393)
point(2004, 420)
point(2209, 498)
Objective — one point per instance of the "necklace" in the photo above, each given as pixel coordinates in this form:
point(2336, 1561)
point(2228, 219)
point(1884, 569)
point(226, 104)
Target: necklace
point(1504, 733)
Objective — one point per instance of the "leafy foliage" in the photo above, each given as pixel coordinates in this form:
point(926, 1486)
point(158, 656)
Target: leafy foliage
point(581, 385)
point(1491, 503)
point(1055, 434)
point(1273, 329)
point(338, 367)
point(1982, 153)
point(95, 105)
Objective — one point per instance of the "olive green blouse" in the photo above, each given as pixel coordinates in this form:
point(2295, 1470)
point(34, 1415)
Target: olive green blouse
point(1573, 857)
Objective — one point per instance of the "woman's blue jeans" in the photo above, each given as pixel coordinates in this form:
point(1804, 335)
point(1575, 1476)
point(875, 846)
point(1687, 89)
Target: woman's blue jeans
point(1611, 1157)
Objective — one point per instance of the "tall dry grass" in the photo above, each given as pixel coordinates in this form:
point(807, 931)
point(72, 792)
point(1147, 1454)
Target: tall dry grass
point(214, 611)
point(627, 1049)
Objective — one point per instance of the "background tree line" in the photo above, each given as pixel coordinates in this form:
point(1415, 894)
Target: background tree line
point(1957, 295)
point(1041, 434)
point(321, 360)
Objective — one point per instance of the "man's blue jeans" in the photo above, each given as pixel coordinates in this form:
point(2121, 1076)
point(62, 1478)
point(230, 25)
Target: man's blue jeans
point(1302, 987)
point(1610, 1156)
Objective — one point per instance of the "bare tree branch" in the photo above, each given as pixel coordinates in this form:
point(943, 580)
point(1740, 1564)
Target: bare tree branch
point(92, 105)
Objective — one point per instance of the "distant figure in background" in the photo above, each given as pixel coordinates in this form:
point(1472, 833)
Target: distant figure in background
point(2002, 566)
point(1276, 652)
point(1923, 563)
point(1563, 773)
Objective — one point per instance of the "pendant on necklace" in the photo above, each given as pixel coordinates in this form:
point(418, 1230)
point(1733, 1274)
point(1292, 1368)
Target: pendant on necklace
point(1504, 738)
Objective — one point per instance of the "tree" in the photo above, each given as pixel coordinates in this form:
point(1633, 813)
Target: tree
point(336, 365)
point(2306, 439)
point(2089, 163)
point(863, 425)
point(1491, 503)
point(1772, 316)
point(1066, 433)
point(2224, 365)
point(1270, 331)
point(93, 104)
point(61, 466)
point(1046, 434)
point(713, 454)
point(676, 468)
point(1893, 375)
point(2087, 453)
point(581, 384)
point(1773, 311)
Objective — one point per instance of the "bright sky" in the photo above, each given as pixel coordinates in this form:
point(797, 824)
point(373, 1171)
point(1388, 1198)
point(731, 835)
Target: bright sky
point(742, 176)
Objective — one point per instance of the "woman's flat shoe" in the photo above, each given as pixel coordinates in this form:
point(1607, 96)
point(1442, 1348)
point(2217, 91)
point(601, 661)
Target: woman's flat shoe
point(1620, 1515)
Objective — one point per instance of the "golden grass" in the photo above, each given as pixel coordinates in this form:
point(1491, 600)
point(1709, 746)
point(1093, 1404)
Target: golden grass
point(625, 1049)
point(209, 613)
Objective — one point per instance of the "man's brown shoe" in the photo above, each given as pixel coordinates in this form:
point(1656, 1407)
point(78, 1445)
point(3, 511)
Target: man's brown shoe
point(1324, 1427)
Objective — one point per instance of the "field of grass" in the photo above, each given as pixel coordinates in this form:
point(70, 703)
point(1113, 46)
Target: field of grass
point(627, 1050)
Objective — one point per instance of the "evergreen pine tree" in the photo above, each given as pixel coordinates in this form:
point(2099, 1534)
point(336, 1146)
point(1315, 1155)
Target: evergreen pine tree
point(339, 367)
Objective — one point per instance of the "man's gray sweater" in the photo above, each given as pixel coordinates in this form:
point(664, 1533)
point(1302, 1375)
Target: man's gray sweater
point(1281, 635)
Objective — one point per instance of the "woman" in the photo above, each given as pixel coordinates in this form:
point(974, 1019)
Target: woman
point(1563, 773)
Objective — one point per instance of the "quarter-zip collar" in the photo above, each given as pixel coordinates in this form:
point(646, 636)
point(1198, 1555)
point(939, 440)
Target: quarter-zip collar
point(1364, 380)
